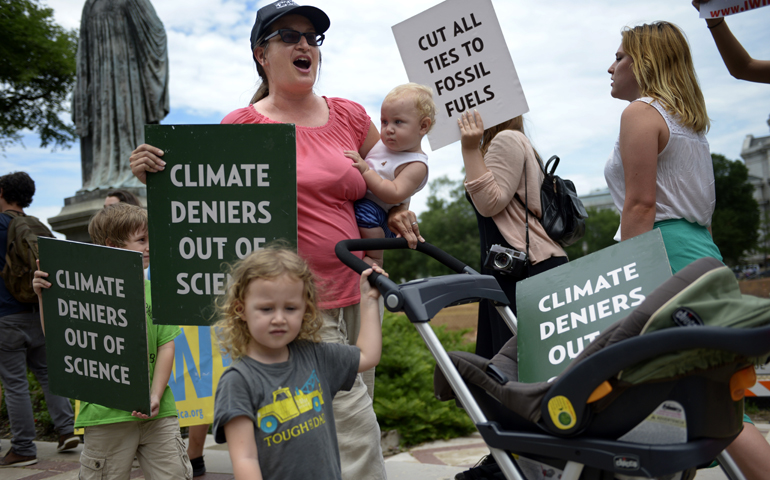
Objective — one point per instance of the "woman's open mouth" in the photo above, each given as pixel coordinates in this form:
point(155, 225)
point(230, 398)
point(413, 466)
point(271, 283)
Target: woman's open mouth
point(302, 63)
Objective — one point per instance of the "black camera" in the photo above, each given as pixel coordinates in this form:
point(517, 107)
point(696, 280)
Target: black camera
point(506, 260)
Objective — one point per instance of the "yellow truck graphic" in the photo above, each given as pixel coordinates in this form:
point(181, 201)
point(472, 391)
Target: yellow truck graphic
point(286, 406)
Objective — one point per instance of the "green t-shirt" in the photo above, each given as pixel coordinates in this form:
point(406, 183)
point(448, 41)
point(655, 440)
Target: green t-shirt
point(157, 335)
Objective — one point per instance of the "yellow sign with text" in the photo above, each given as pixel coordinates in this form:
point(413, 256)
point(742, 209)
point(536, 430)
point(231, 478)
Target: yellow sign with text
point(198, 365)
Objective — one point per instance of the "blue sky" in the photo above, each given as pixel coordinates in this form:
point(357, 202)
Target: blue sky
point(561, 50)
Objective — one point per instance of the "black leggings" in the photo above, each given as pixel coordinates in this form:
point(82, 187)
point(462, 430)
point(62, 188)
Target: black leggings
point(492, 329)
point(493, 332)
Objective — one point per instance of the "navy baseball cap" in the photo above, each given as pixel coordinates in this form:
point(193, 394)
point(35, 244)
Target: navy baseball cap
point(270, 13)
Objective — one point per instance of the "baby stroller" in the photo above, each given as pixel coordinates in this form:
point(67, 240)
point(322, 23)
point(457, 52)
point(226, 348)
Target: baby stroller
point(603, 417)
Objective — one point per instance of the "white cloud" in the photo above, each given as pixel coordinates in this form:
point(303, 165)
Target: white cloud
point(561, 50)
point(223, 80)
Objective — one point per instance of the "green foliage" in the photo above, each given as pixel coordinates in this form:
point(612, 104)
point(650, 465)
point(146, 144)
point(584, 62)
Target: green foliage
point(601, 226)
point(37, 72)
point(403, 396)
point(736, 217)
point(750, 408)
point(450, 224)
point(43, 424)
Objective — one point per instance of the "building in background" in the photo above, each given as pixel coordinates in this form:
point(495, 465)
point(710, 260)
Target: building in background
point(598, 199)
point(756, 154)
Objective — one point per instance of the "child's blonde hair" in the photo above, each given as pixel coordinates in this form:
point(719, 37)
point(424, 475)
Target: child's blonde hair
point(423, 99)
point(117, 223)
point(268, 263)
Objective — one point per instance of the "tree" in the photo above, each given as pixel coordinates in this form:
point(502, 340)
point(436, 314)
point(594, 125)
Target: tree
point(601, 226)
point(450, 224)
point(37, 72)
point(735, 222)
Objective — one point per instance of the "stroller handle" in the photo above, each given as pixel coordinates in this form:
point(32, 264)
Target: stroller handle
point(390, 290)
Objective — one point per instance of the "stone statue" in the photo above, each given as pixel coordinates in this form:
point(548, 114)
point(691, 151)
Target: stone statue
point(122, 84)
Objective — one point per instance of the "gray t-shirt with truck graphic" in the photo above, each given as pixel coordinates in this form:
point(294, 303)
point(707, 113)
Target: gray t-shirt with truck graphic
point(290, 404)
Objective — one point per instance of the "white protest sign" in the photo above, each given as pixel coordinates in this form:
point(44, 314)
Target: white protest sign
point(457, 49)
point(723, 8)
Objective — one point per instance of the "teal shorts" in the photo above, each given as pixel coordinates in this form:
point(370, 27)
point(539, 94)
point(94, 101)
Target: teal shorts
point(686, 242)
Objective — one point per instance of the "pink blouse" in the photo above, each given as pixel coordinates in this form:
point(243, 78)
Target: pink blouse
point(493, 194)
point(327, 186)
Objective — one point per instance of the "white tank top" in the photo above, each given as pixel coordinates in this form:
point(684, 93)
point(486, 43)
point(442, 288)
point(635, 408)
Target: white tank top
point(385, 162)
point(684, 186)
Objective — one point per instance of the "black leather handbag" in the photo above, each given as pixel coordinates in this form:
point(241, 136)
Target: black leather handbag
point(563, 214)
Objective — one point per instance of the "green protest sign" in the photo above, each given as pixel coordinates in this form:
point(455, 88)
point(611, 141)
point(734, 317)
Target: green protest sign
point(562, 310)
point(95, 326)
point(226, 190)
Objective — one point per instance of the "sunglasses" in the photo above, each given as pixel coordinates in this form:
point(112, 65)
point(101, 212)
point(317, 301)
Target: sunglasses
point(293, 36)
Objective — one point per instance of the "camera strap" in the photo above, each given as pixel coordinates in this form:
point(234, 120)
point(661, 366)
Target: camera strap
point(526, 214)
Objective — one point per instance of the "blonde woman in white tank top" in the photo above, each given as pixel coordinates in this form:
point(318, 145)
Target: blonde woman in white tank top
point(660, 173)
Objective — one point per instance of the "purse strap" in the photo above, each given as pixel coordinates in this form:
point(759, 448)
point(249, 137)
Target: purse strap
point(545, 174)
point(526, 214)
point(526, 197)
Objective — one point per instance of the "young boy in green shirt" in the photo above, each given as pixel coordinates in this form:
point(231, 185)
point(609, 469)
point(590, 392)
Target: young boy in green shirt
point(113, 437)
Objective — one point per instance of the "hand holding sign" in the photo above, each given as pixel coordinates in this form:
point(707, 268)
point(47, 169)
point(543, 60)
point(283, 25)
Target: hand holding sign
point(457, 48)
point(154, 409)
point(723, 8)
point(144, 159)
point(40, 282)
point(471, 130)
point(738, 62)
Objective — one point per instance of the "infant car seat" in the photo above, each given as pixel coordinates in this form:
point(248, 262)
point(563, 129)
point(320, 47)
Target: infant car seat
point(686, 353)
point(656, 395)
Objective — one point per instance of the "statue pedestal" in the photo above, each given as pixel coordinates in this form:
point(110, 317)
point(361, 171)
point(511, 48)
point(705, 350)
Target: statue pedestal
point(73, 219)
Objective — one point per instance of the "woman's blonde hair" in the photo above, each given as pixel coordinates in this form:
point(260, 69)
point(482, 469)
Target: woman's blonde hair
point(422, 96)
point(268, 263)
point(264, 86)
point(516, 123)
point(664, 70)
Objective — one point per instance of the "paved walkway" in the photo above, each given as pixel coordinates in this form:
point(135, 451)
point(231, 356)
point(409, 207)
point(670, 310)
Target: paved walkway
point(439, 460)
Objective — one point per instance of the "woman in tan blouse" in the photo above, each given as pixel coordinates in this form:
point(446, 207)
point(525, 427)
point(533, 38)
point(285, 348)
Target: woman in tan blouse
point(494, 168)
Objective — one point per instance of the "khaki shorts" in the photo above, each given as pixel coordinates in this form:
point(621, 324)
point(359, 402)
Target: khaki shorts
point(358, 434)
point(109, 451)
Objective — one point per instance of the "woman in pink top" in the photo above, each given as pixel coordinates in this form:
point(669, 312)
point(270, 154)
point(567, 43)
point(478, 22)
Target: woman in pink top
point(284, 44)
